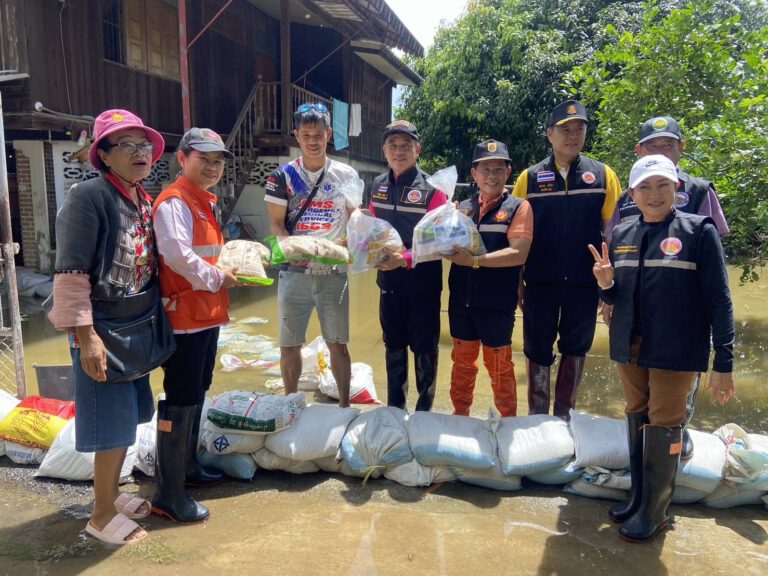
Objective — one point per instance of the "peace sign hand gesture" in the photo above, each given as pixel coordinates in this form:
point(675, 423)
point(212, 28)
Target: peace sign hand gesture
point(603, 270)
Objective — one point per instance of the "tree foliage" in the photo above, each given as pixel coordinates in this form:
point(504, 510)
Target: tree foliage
point(499, 69)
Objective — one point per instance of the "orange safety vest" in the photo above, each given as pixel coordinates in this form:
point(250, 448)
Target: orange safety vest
point(190, 309)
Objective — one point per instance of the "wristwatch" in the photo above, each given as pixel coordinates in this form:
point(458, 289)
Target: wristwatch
point(475, 262)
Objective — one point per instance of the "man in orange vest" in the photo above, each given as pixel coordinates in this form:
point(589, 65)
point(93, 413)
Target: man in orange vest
point(195, 297)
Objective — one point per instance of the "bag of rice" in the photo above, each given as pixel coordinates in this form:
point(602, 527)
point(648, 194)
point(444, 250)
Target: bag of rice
point(291, 248)
point(247, 257)
point(370, 241)
point(252, 413)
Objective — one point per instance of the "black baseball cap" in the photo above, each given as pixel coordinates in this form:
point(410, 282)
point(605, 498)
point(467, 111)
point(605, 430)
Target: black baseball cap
point(204, 140)
point(567, 111)
point(401, 127)
point(660, 126)
point(490, 150)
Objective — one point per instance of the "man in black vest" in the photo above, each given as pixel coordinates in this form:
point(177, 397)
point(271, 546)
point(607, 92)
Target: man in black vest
point(481, 308)
point(572, 197)
point(409, 307)
point(662, 135)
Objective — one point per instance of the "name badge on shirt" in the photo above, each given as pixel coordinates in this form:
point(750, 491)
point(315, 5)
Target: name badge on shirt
point(381, 194)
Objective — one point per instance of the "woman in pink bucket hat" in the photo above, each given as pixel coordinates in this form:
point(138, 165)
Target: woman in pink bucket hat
point(106, 275)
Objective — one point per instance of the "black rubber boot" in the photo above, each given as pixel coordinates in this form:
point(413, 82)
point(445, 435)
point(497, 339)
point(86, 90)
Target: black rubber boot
point(569, 375)
point(538, 388)
point(197, 474)
point(426, 380)
point(174, 428)
point(661, 455)
point(690, 404)
point(397, 377)
point(623, 511)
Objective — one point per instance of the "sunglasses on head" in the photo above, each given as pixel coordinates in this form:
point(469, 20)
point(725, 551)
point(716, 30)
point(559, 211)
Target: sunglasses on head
point(322, 108)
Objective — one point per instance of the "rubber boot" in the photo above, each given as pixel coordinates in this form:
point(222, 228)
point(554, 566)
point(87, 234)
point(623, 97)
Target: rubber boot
point(463, 374)
point(690, 404)
point(624, 510)
point(174, 429)
point(501, 369)
point(197, 474)
point(538, 388)
point(426, 380)
point(397, 377)
point(661, 455)
point(569, 375)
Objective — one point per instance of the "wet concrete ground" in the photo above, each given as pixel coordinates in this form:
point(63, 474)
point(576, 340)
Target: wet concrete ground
point(329, 524)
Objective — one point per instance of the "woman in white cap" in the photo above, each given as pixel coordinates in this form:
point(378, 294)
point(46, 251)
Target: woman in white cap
point(106, 265)
point(666, 277)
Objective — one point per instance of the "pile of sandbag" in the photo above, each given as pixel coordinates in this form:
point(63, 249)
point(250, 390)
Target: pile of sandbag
point(244, 431)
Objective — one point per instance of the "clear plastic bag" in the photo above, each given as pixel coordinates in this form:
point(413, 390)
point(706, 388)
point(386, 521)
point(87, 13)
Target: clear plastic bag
point(436, 234)
point(247, 257)
point(292, 248)
point(352, 186)
point(370, 240)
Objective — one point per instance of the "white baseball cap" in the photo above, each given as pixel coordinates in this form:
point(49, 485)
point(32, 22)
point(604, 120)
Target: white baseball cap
point(653, 165)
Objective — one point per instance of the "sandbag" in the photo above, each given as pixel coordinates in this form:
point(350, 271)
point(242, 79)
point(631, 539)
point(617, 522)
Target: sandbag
point(146, 446)
point(557, 476)
point(252, 413)
point(492, 478)
point(376, 439)
point(219, 441)
point(746, 457)
point(7, 403)
point(238, 466)
point(414, 473)
point(36, 421)
point(582, 488)
point(361, 387)
point(336, 465)
point(246, 256)
point(63, 461)
point(532, 444)
point(731, 495)
point(316, 433)
point(618, 479)
point(459, 441)
point(685, 495)
point(268, 460)
point(370, 241)
point(21, 454)
point(599, 441)
point(705, 469)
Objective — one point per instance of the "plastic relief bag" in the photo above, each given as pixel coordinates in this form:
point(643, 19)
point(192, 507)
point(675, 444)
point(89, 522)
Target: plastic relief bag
point(291, 248)
point(370, 240)
point(247, 257)
point(445, 227)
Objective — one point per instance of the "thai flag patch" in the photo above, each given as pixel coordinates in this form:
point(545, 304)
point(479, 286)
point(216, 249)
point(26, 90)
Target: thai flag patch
point(545, 176)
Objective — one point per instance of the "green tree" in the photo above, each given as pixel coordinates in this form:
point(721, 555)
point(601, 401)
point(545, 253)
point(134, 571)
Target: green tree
point(706, 67)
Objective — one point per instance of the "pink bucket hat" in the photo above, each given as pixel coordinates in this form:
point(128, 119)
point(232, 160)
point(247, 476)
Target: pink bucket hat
point(111, 121)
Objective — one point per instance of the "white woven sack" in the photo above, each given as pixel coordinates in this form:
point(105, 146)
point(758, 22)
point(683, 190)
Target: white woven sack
point(376, 439)
point(531, 444)
point(705, 469)
point(459, 441)
point(582, 488)
point(217, 441)
point(414, 474)
point(599, 441)
point(252, 413)
point(316, 433)
point(270, 461)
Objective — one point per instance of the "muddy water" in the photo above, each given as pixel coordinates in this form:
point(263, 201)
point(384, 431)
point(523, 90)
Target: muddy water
point(600, 393)
point(326, 524)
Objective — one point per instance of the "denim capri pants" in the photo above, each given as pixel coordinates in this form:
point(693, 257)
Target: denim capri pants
point(107, 413)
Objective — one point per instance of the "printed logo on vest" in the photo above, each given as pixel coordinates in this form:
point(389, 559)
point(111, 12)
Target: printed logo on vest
point(501, 215)
point(588, 177)
point(671, 246)
point(545, 176)
point(413, 196)
point(681, 199)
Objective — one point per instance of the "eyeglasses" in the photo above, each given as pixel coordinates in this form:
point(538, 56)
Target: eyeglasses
point(132, 148)
point(399, 147)
point(492, 171)
point(320, 107)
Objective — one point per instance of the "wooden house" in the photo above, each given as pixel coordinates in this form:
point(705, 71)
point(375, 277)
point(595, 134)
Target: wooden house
point(240, 68)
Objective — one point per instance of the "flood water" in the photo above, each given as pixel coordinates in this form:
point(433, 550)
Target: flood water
point(600, 392)
point(330, 524)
